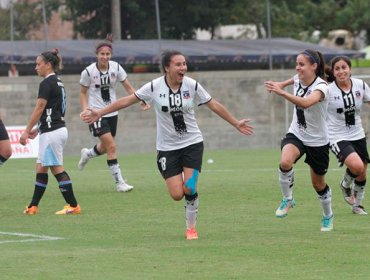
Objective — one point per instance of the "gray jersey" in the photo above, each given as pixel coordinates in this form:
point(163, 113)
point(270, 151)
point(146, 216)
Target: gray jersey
point(176, 124)
point(344, 119)
point(309, 124)
point(102, 86)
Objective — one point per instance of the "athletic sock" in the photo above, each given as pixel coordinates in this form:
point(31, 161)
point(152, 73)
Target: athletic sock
point(66, 189)
point(359, 192)
point(325, 199)
point(40, 187)
point(116, 170)
point(348, 179)
point(191, 210)
point(286, 179)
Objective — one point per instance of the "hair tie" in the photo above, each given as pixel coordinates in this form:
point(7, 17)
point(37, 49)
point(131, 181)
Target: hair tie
point(311, 57)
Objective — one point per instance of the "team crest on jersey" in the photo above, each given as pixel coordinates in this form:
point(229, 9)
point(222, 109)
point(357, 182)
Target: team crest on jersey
point(186, 94)
point(113, 75)
point(358, 94)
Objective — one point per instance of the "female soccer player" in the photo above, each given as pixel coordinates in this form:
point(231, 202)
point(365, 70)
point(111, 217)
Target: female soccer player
point(346, 134)
point(179, 140)
point(49, 113)
point(5, 148)
point(98, 82)
point(307, 133)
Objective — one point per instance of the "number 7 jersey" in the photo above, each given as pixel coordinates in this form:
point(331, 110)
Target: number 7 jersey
point(176, 124)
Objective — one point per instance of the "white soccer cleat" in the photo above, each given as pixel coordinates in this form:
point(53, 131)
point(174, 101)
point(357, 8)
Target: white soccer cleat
point(284, 207)
point(84, 158)
point(359, 210)
point(327, 223)
point(123, 187)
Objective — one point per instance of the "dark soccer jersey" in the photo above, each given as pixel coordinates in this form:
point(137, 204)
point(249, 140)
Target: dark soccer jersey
point(52, 90)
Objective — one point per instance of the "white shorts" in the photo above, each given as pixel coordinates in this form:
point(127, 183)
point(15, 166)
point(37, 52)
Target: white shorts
point(51, 145)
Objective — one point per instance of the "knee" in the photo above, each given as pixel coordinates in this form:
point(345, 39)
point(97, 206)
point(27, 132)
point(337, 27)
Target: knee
point(177, 196)
point(6, 153)
point(285, 164)
point(357, 169)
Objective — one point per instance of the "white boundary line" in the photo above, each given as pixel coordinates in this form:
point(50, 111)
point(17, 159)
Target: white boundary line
point(34, 239)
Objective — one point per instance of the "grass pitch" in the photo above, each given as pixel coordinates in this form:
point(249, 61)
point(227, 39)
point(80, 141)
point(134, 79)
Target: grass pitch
point(140, 235)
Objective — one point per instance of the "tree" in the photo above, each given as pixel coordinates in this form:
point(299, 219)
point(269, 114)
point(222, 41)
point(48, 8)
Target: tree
point(27, 16)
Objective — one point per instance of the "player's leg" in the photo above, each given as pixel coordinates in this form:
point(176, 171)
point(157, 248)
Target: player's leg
point(66, 189)
point(5, 147)
point(359, 185)
point(290, 153)
point(57, 140)
point(108, 145)
point(97, 129)
point(192, 158)
point(346, 155)
point(318, 160)
point(170, 166)
point(39, 189)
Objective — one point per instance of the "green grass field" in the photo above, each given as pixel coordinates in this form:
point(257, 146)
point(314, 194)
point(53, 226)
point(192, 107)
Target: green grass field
point(140, 235)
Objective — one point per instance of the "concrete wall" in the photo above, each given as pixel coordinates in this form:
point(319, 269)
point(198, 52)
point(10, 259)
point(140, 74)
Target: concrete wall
point(242, 92)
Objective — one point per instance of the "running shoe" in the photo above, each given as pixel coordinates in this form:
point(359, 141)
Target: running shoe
point(347, 194)
point(284, 207)
point(69, 210)
point(191, 234)
point(84, 158)
point(327, 223)
point(31, 210)
point(123, 187)
point(359, 210)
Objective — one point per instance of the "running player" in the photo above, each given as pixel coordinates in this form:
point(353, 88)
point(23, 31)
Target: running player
point(346, 134)
point(49, 114)
point(98, 82)
point(179, 140)
point(307, 133)
point(5, 148)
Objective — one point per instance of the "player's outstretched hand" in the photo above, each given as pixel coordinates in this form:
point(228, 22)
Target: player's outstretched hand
point(90, 115)
point(274, 87)
point(244, 127)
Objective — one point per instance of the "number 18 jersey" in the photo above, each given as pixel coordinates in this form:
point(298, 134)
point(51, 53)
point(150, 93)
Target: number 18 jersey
point(176, 124)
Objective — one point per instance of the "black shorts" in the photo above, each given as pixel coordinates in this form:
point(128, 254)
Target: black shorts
point(316, 157)
point(343, 149)
point(103, 126)
point(3, 133)
point(172, 163)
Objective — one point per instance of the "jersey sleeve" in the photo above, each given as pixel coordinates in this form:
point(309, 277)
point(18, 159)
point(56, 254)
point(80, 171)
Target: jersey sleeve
point(122, 75)
point(44, 90)
point(201, 96)
point(323, 87)
point(145, 93)
point(366, 93)
point(85, 78)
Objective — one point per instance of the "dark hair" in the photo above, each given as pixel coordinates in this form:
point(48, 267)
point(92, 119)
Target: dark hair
point(316, 57)
point(106, 43)
point(330, 69)
point(54, 58)
point(166, 58)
